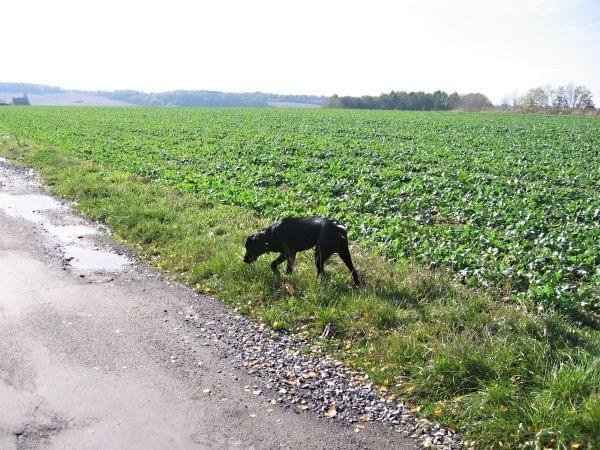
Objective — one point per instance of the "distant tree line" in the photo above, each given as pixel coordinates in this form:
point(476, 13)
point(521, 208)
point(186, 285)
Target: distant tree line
point(413, 101)
point(29, 88)
point(567, 98)
point(207, 98)
point(174, 98)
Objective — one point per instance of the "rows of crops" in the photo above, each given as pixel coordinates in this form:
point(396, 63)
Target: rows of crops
point(504, 200)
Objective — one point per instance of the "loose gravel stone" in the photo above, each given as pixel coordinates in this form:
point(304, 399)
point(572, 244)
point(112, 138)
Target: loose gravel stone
point(298, 375)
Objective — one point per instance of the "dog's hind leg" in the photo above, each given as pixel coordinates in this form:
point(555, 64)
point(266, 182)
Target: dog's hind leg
point(281, 258)
point(344, 253)
point(288, 255)
point(321, 255)
point(291, 259)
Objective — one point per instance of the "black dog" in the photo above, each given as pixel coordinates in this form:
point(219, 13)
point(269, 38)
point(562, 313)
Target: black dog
point(292, 235)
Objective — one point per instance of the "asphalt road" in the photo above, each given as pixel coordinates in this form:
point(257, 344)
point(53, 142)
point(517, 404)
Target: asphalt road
point(100, 360)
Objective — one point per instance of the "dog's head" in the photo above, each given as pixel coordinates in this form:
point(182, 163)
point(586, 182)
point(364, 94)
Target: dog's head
point(256, 245)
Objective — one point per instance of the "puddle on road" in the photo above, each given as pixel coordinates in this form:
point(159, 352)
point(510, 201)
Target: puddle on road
point(27, 206)
point(35, 207)
point(87, 259)
point(70, 232)
point(32, 206)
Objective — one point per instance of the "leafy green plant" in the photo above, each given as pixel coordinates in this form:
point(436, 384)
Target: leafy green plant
point(507, 201)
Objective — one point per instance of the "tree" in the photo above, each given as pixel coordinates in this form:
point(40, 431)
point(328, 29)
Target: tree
point(583, 98)
point(505, 102)
point(576, 97)
point(475, 102)
point(536, 98)
point(332, 102)
point(570, 95)
point(415, 101)
point(516, 100)
point(559, 97)
point(440, 100)
point(454, 101)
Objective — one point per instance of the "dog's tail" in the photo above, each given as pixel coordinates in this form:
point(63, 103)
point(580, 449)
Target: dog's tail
point(342, 231)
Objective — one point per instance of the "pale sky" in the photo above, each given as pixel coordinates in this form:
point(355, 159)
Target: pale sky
point(302, 47)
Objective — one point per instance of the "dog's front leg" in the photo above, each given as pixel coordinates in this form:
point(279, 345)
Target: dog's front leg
point(281, 258)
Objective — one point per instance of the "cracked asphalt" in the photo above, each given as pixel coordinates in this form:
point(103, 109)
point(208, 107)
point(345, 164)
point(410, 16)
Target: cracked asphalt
point(96, 359)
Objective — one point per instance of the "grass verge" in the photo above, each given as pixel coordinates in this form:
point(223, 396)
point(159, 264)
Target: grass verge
point(501, 375)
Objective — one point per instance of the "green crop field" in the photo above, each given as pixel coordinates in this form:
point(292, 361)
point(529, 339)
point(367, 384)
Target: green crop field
point(502, 200)
point(477, 236)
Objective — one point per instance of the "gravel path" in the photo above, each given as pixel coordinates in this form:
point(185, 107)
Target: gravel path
point(300, 377)
point(121, 357)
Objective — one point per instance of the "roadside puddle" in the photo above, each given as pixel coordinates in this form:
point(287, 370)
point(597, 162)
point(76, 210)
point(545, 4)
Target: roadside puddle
point(87, 259)
point(70, 232)
point(28, 206)
point(39, 209)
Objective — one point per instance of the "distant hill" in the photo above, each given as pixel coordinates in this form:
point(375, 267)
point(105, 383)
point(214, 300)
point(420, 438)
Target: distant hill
point(63, 98)
point(40, 94)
